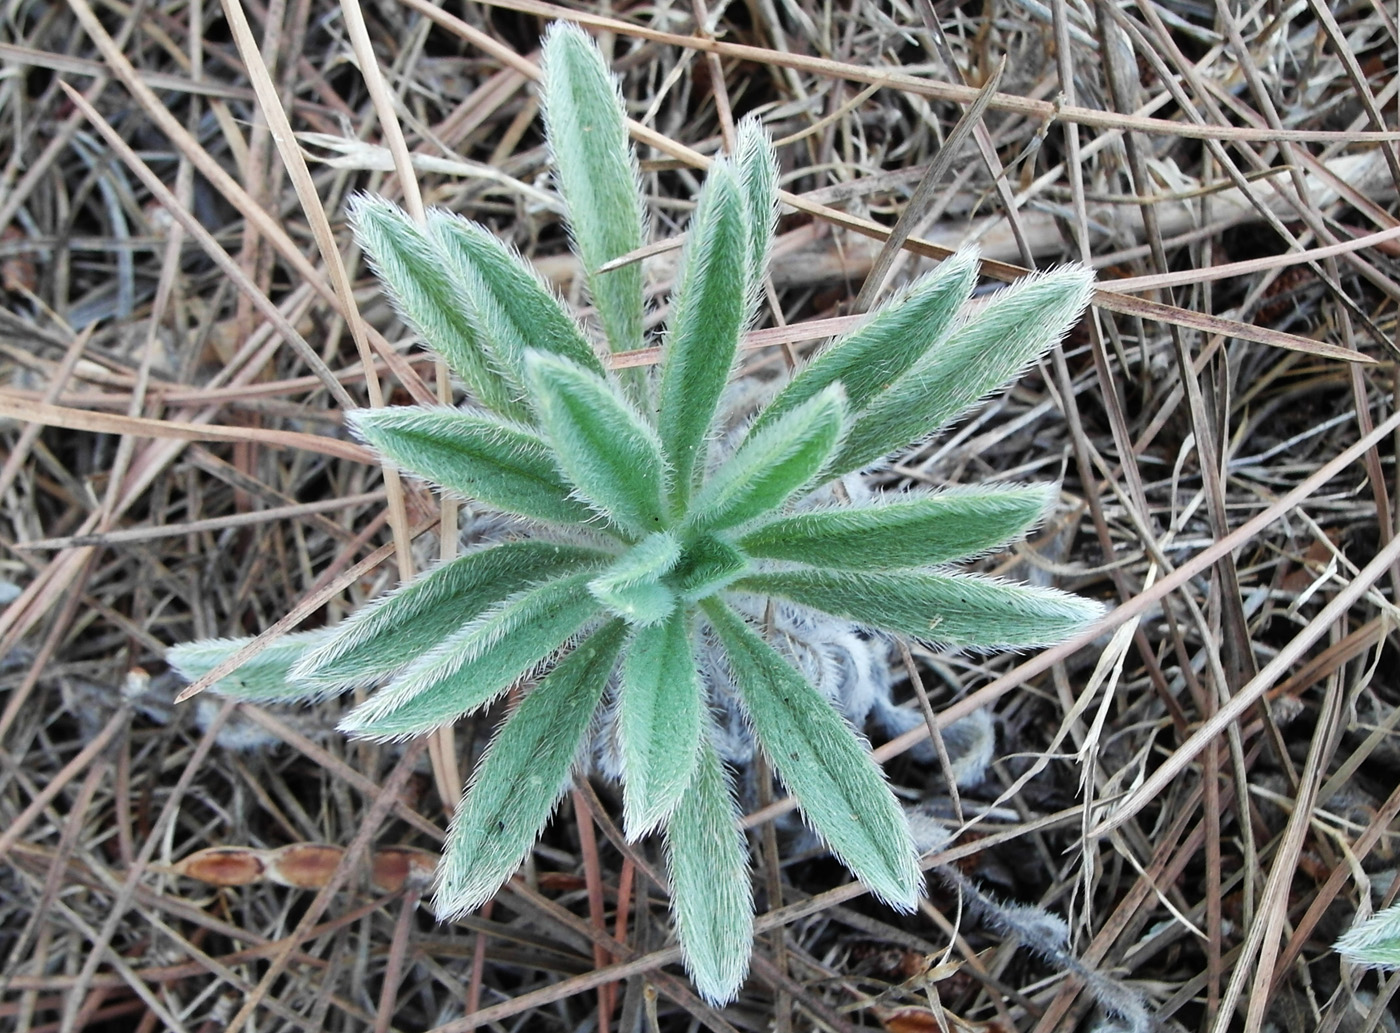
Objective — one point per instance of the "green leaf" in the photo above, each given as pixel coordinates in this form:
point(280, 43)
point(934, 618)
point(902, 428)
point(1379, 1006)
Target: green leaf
point(1374, 942)
point(658, 721)
point(993, 348)
point(524, 772)
point(757, 165)
point(415, 273)
point(903, 530)
point(708, 314)
point(772, 464)
point(515, 310)
point(823, 763)
point(954, 609)
point(632, 586)
point(265, 678)
point(472, 666)
point(399, 628)
point(708, 563)
point(711, 887)
point(877, 353)
point(586, 127)
point(602, 444)
point(477, 456)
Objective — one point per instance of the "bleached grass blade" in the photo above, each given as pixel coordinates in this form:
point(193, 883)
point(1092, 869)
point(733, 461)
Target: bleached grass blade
point(993, 348)
point(711, 887)
point(903, 530)
point(952, 609)
point(266, 677)
point(514, 308)
point(523, 774)
point(475, 455)
point(585, 125)
point(757, 165)
point(602, 444)
point(470, 668)
point(708, 313)
point(632, 586)
point(823, 763)
point(773, 464)
point(415, 272)
point(398, 629)
point(658, 721)
point(874, 355)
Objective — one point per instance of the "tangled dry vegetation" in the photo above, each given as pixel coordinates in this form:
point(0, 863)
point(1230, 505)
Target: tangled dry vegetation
point(1205, 792)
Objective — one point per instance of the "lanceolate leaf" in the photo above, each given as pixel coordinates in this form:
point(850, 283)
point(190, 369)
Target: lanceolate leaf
point(632, 586)
point(597, 172)
point(843, 794)
point(1374, 942)
point(415, 273)
point(993, 348)
point(707, 564)
point(515, 310)
point(757, 166)
point(602, 444)
point(772, 464)
point(522, 776)
point(266, 677)
point(658, 721)
point(471, 667)
point(902, 531)
point(475, 455)
point(708, 314)
point(711, 892)
point(873, 356)
point(954, 609)
point(400, 628)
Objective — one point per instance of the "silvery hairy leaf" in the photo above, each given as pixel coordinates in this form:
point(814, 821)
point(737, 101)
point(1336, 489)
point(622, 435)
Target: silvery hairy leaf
point(415, 273)
point(757, 166)
point(894, 337)
point(992, 348)
point(399, 628)
point(1374, 942)
point(632, 587)
point(585, 126)
point(708, 564)
point(265, 678)
point(659, 719)
point(898, 531)
point(481, 457)
point(952, 609)
point(772, 464)
point(514, 309)
point(708, 313)
point(843, 793)
point(602, 444)
point(711, 890)
point(477, 662)
point(522, 775)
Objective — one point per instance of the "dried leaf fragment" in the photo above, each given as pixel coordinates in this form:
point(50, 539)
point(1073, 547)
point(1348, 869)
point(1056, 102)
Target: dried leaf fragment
point(307, 866)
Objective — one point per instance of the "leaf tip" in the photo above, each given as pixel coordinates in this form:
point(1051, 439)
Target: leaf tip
point(1374, 943)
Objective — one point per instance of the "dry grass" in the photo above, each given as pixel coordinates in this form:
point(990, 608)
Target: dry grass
point(1206, 791)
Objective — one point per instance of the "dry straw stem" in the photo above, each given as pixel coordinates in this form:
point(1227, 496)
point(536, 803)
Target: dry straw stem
point(320, 223)
point(1112, 300)
point(1042, 110)
point(176, 549)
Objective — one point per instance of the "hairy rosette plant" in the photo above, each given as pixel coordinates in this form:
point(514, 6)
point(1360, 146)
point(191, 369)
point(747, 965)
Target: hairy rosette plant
point(638, 543)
